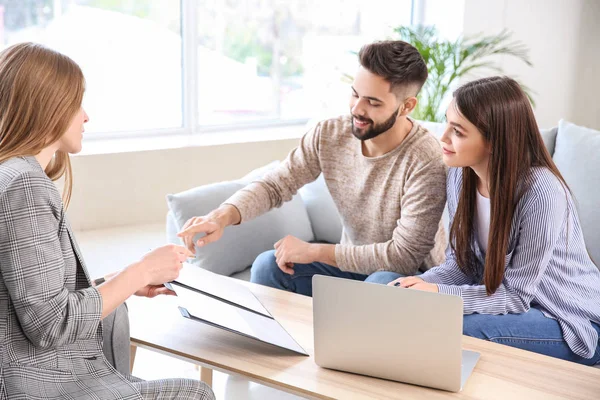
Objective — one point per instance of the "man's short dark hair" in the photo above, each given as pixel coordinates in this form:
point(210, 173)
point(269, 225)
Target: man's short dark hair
point(397, 62)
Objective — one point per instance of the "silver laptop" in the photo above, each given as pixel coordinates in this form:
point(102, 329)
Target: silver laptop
point(390, 332)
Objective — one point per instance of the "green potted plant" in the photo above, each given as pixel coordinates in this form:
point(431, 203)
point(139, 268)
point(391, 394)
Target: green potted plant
point(448, 61)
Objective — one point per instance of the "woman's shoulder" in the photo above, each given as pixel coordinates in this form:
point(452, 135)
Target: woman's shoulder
point(541, 181)
point(544, 191)
point(21, 170)
point(454, 177)
point(455, 171)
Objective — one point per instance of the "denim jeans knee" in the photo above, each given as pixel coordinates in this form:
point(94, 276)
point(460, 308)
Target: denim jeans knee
point(265, 271)
point(383, 277)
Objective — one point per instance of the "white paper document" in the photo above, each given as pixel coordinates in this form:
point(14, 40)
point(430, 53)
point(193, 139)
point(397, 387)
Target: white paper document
point(209, 298)
point(221, 287)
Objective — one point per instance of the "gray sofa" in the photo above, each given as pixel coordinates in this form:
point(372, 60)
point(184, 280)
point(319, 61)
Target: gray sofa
point(312, 215)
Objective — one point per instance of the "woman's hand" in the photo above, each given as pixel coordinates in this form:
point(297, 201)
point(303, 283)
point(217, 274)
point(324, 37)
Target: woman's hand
point(151, 291)
point(163, 264)
point(414, 282)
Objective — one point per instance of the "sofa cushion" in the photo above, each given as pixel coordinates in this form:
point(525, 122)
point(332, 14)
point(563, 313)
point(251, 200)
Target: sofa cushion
point(258, 173)
point(240, 244)
point(576, 156)
point(322, 212)
point(549, 138)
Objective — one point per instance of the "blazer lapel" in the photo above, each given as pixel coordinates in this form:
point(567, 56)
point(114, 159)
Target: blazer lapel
point(78, 253)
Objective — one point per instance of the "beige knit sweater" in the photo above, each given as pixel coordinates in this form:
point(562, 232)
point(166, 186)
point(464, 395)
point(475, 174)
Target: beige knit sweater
point(390, 205)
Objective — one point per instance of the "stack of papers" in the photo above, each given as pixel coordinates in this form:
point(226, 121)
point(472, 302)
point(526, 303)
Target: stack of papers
point(219, 301)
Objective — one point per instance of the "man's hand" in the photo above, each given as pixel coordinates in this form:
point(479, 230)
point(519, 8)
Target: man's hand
point(414, 282)
point(290, 250)
point(212, 225)
point(211, 228)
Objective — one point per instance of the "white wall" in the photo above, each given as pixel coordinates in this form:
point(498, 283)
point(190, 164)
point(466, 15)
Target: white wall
point(563, 38)
point(586, 105)
point(129, 188)
point(446, 15)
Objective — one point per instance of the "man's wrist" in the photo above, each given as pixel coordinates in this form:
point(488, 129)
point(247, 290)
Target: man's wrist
point(324, 253)
point(226, 215)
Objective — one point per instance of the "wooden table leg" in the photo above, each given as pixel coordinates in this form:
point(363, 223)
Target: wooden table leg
point(132, 350)
point(206, 375)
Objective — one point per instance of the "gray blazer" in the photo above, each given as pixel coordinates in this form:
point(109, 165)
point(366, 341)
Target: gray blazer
point(50, 329)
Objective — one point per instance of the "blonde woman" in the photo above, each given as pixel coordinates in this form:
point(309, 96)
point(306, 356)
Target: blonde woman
point(51, 330)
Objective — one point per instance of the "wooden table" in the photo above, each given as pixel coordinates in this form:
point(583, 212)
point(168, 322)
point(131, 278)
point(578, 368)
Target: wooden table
point(501, 373)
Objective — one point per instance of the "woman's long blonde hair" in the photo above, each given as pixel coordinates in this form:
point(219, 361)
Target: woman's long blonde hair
point(41, 91)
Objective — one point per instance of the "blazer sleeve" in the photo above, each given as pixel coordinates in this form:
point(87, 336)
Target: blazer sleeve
point(33, 267)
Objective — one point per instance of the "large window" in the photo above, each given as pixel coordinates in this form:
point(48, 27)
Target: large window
point(283, 59)
point(193, 65)
point(130, 53)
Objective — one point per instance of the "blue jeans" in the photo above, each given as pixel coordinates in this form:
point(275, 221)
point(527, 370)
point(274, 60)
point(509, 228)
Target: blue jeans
point(531, 331)
point(266, 272)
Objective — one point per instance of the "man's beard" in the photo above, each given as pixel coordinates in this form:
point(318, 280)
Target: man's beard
point(373, 130)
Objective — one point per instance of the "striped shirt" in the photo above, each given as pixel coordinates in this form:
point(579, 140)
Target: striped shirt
point(547, 264)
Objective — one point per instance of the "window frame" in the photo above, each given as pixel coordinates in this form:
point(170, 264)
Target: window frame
point(189, 84)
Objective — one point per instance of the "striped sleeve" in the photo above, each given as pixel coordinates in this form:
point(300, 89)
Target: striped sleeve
point(539, 231)
point(448, 273)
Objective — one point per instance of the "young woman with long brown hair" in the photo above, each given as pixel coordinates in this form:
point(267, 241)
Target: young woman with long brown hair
point(516, 255)
point(51, 314)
